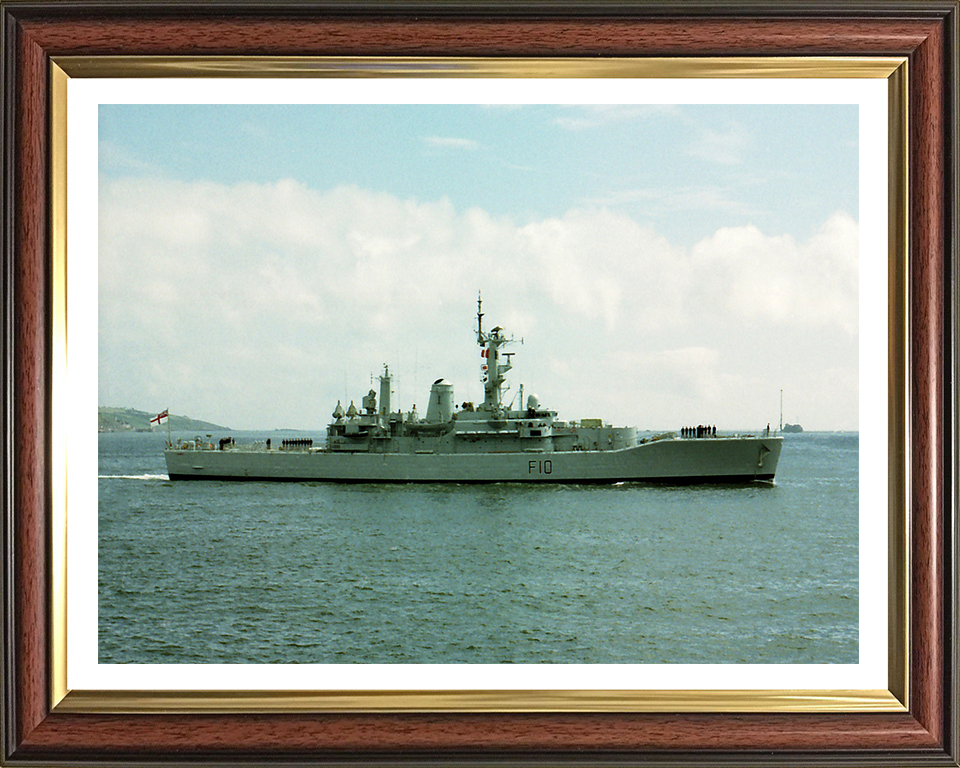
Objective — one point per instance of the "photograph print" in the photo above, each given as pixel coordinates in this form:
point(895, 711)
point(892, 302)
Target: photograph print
point(478, 384)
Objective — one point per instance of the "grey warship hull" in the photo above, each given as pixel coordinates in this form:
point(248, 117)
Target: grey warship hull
point(736, 459)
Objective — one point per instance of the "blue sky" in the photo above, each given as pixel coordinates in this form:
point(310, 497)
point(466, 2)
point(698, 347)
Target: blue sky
point(686, 170)
point(668, 264)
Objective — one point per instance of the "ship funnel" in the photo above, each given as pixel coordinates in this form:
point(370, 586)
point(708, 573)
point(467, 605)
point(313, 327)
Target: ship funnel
point(385, 381)
point(440, 408)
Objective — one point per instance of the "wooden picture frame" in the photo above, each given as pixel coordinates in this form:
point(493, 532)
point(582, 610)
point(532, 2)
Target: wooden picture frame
point(37, 731)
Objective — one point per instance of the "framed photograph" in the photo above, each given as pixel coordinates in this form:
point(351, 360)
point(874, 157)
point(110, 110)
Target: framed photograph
point(299, 204)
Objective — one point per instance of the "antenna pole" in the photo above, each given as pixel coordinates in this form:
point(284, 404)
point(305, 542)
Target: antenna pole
point(781, 410)
point(479, 319)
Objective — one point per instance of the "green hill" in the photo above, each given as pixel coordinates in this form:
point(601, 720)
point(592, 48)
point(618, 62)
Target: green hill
point(130, 420)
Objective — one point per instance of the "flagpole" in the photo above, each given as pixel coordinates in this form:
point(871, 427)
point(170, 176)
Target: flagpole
point(169, 440)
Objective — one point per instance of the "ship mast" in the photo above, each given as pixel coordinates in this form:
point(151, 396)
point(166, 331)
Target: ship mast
point(491, 369)
point(479, 320)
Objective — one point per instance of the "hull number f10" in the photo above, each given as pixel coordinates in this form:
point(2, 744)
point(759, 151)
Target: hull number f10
point(540, 467)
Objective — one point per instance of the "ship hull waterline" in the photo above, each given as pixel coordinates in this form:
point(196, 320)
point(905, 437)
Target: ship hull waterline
point(730, 460)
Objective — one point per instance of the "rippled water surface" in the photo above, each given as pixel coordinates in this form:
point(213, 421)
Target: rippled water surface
point(319, 573)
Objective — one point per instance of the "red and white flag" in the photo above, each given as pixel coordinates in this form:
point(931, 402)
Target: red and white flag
point(160, 418)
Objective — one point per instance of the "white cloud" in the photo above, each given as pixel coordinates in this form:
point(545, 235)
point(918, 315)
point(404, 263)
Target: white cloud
point(254, 130)
point(672, 200)
point(749, 275)
point(116, 157)
point(451, 142)
point(724, 146)
point(260, 305)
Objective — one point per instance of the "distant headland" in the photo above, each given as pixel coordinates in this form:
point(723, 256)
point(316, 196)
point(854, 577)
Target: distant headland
point(130, 420)
point(792, 428)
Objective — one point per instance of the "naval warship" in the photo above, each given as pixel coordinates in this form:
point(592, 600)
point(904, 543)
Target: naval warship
point(483, 443)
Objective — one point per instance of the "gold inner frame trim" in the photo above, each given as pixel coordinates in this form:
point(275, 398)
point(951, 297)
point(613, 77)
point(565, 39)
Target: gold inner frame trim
point(730, 701)
point(443, 67)
point(893, 69)
point(59, 407)
point(898, 533)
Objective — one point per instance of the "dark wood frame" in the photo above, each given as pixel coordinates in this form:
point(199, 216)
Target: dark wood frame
point(925, 32)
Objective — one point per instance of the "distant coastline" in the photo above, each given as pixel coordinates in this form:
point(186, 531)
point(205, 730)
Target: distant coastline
point(131, 420)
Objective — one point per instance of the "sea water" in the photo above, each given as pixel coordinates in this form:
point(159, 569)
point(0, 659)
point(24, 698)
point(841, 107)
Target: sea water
point(257, 572)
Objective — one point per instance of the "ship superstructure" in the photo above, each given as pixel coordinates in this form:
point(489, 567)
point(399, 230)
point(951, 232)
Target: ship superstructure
point(487, 442)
